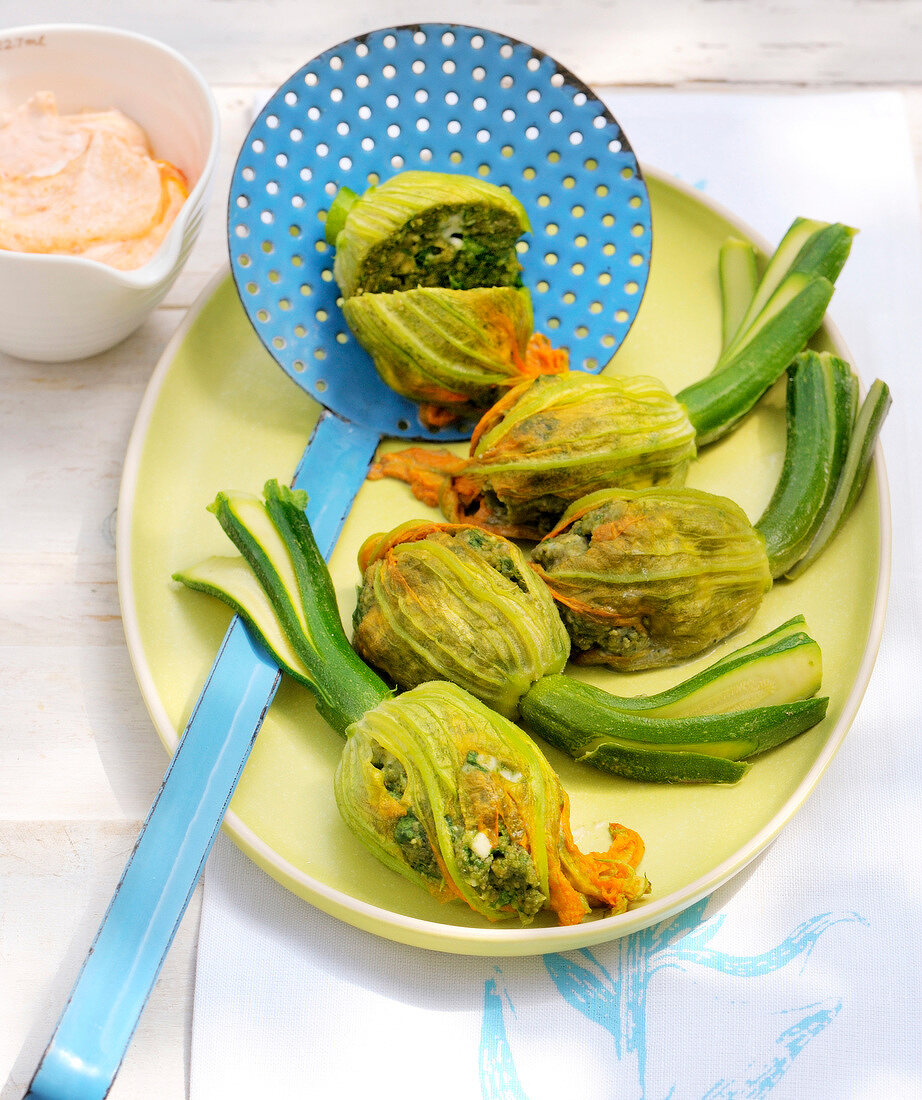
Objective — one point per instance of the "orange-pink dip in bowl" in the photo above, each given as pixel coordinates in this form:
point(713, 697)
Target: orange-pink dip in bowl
point(83, 184)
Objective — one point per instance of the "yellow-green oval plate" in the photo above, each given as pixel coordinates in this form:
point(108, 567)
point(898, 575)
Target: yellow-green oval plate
point(220, 414)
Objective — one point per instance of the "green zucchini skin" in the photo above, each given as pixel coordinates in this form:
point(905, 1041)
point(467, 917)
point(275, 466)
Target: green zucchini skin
point(828, 455)
point(574, 714)
point(809, 249)
point(824, 253)
point(650, 766)
point(782, 666)
point(820, 412)
point(277, 542)
point(582, 721)
point(717, 402)
point(853, 476)
point(786, 309)
point(780, 263)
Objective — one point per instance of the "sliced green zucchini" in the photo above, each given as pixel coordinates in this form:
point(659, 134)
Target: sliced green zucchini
point(854, 473)
point(589, 724)
point(651, 766)
point(739, 276)
point(784, 665)
point(821, 396)
point(717, 402)
point(276, 540)
point(810, 248)
point(233, 582)
point(785, 310)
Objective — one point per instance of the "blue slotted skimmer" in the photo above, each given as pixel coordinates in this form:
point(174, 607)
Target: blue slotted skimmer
point(450, 99)
point(434, 96)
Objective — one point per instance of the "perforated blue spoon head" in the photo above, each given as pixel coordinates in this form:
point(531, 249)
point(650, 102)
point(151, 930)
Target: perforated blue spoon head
point(447, 98)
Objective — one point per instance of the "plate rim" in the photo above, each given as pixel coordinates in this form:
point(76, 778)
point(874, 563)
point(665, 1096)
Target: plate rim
point(492, 939)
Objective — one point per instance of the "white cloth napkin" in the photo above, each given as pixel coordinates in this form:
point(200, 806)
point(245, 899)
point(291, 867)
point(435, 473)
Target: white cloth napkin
point(803, 981)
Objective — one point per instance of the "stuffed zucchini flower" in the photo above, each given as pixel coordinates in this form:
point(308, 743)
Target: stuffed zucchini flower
point(462, 802)
point(454, 602)
point(647, 578)
point(425, 229)
point(431, 289)
point(450, 350)
point(548, 442)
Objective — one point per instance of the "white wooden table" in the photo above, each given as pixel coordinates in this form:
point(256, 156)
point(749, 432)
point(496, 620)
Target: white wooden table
point(79, 759)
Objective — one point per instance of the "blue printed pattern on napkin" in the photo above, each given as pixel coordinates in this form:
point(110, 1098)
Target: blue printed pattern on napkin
point(616, 1000)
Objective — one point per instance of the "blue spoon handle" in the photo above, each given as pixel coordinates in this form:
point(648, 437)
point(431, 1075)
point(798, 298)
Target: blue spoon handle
point(103, 1009)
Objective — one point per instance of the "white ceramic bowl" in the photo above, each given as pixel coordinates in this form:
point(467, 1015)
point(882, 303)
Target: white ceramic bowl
point(56, 308)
